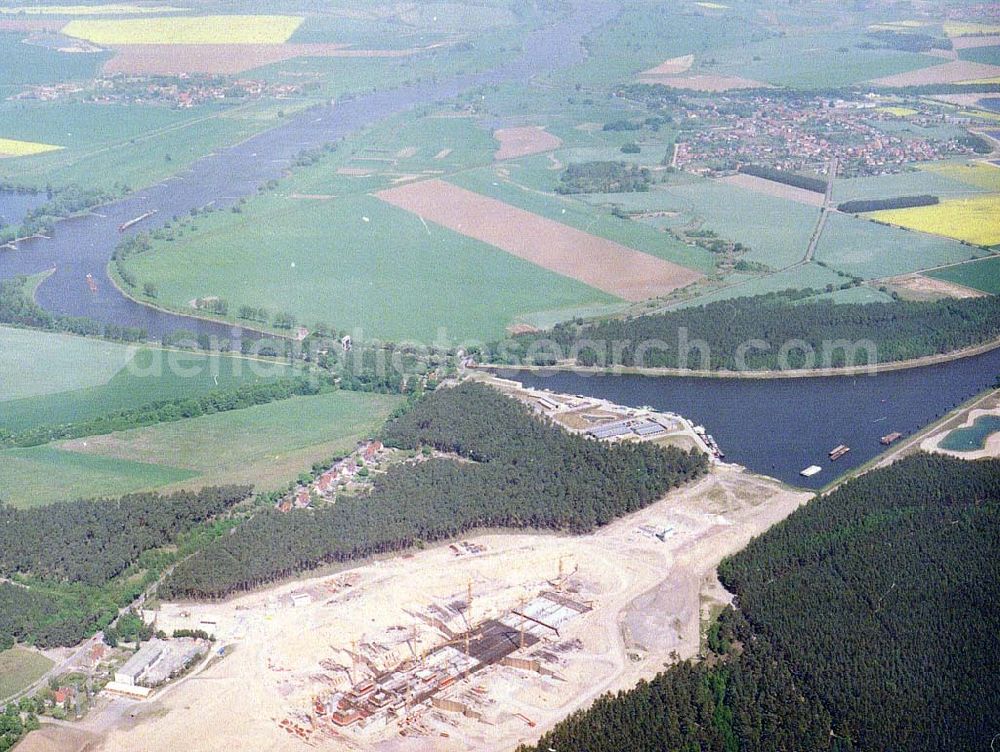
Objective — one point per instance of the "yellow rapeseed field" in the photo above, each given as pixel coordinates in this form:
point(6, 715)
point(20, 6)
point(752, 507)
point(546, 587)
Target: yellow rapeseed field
point(958, 29)
point(976, 220)
point(898, 111)
point(186, 30)
point(11, 148)
point(980, 174)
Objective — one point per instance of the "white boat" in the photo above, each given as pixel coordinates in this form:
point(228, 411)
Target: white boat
point(810, 471)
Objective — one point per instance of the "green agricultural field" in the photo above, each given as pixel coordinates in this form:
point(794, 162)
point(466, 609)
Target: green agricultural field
point(44, 474)
point(980, 275)
point(34, 363)
point(338, 76)
point(359, 264)
point(651, 33)
point(19, 669)
point(976, 175)
point(400, 146)
point(109, 145)
point(989, 55)
point(22, 64)
point(267, 445)
point(872, 251)
point(362, 33)
point(576, 213)
point(916, 183)
point(811, 60)
point(150, 375)
point(796, 278)
point(746, 216)
point(862, 294)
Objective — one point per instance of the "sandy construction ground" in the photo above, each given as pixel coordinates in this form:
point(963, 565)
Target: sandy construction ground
point(608, 266)
point(704, 82)
point(524, 141)
point(991, 447)
point(225, 58)
point(647, 596)
point(671, 67)
point(986, 40)
point(772, 188)
point(921, 287)
point(947, 73)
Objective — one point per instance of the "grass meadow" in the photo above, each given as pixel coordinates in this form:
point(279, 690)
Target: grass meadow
point(108, 145)
point(36, 363)
point(150, 375)
point(267, 445)
point(19, 668)
point(22, 64)
point(39, 475)
point(358, 264)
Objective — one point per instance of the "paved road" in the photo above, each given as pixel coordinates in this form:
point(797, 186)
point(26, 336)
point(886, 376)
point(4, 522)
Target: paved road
point(824, 210)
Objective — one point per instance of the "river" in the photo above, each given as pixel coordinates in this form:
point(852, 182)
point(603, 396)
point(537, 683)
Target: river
point(780, 426)
point(774, 427)
point(83, 245)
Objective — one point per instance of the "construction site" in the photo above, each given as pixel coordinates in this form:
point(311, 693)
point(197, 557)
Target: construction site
point(444, 676)
point(480, 643)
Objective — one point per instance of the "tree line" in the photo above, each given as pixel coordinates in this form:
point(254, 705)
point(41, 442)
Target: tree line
point(860, 206)
point(63, 202)
point(720, 335)
point(17, 308)
point(169, 410)
point(865, 621)
point(814, 184)
point(520, 472)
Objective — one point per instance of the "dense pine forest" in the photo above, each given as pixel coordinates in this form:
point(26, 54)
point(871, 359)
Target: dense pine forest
point(883, 598)
point(520, 472)
point(757, 329)
point(867, 620)
point(742, 697)
point(63, 559)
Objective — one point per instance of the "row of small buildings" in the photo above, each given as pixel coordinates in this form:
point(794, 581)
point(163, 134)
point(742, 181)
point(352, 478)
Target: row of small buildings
point(340, 473)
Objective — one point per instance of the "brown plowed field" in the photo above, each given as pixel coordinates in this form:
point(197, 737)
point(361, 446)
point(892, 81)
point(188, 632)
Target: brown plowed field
point(521, 142)
point(225, 58)
point(772, 188)
point(964, 43)
point(608, 266)
point(30, 24)
point(957, 70)
point(671, 67)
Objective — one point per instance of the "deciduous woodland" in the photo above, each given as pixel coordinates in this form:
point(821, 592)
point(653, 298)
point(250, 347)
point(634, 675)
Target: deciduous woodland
point(758, 328)
point(866, 621)
point(510, 469)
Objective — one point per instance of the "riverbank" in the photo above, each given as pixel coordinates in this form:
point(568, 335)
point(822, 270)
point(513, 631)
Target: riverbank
point(803, 373)
point(122, 288)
